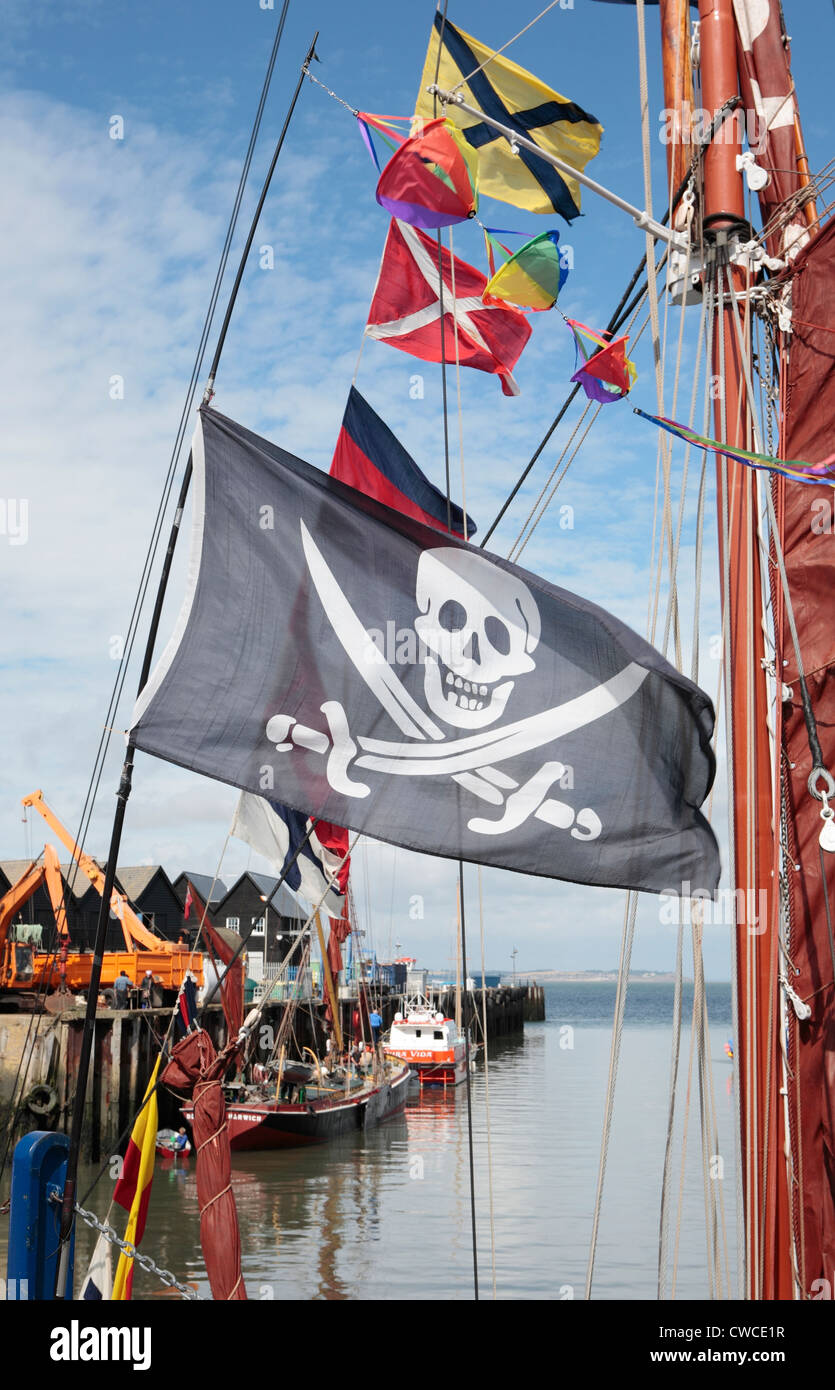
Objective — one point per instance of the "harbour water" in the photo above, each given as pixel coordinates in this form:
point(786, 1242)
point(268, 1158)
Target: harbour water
point(386, 1215)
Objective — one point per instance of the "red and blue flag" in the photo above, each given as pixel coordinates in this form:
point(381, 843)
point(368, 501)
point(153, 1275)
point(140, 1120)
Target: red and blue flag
point(371, 459)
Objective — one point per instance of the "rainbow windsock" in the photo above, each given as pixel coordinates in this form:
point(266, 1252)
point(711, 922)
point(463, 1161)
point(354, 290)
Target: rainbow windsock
point(532, 277)
point(431, 180)
point(607, 374)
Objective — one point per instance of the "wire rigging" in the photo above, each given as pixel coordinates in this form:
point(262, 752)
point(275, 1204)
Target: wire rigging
point(171, 469)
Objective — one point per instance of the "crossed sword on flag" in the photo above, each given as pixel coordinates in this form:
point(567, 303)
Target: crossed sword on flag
point(469, 760)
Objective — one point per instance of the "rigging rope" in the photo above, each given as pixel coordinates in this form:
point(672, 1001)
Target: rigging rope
point(631, 907)
point(168, 481)
point(519, 544)
point(482, 66)
point(627, 939)
point(668, 1150)
point(487, 1087)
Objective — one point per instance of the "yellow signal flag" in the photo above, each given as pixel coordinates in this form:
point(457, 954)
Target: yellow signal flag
point(509, 94)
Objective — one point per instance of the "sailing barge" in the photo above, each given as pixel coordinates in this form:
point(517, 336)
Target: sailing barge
point(325, 1109)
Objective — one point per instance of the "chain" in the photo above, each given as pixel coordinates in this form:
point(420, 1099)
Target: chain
point(353, 110)
point(144, 1261)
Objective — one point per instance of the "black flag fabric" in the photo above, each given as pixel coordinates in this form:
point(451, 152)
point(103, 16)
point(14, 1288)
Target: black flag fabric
point(340, 657)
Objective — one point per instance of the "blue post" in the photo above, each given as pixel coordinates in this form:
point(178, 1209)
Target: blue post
point(39, 1168)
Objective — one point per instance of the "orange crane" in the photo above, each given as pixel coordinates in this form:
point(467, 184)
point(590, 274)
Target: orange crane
point(134, 931)
point(17, 958)
point(144, 950)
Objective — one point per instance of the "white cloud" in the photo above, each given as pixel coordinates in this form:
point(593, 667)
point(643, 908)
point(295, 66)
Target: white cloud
point(114, 246)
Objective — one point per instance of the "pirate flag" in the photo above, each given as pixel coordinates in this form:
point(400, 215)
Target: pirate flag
point(366, 670)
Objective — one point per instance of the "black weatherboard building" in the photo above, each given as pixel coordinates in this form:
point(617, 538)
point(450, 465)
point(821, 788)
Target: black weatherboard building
point(275, 919)
point(212, 890)
point(151, 894)
point(159, 904)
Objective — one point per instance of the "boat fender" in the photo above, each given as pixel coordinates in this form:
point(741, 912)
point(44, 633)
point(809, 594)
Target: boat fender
point(41, 1100)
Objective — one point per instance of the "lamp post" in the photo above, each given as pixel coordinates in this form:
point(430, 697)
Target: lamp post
point(514, 953)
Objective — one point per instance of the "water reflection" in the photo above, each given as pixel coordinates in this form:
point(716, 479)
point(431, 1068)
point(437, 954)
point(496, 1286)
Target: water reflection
point(344, 1220)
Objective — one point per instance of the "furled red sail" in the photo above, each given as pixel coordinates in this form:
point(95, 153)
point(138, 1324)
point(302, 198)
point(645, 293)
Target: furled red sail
point(222, 945)
point(196, 1068)
point(767, 90)
point(340, 930)
point(808, 538)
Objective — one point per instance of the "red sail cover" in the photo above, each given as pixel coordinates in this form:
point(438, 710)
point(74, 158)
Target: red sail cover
point(807, 526)
point(406, 310)
point(195, 1067)
point(221, 949)
point(340, 930)
point(767, 90)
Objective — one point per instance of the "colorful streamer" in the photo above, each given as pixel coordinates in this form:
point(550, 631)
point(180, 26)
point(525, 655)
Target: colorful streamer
point(391, 137)
point(796, 469)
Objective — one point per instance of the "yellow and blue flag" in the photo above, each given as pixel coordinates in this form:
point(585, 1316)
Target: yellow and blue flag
point(509, 94)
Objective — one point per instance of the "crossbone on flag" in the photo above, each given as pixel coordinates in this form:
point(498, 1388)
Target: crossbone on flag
point(376, 674)
point(406, 309)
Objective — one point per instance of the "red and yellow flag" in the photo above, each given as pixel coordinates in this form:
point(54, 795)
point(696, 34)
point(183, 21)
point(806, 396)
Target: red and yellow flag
point(133, 1190)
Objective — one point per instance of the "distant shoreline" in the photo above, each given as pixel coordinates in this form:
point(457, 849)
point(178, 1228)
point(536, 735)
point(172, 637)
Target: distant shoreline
point(595, 977)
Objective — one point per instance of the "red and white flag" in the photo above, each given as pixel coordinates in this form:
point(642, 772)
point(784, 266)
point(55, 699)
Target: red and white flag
point(188, 904)
point(406, 309)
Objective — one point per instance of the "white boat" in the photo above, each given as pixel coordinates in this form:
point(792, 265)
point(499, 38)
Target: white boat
point(430, 1043)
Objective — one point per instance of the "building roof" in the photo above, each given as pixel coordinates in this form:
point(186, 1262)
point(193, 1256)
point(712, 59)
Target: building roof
point(16, 868)
point(135, 880)
point(211, 890)
point(285, 901)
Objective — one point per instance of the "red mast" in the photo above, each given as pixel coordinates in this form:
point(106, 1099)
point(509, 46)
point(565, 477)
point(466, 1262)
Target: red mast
point(765, 1188)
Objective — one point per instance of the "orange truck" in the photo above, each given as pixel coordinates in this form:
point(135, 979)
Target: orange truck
point(26, 970)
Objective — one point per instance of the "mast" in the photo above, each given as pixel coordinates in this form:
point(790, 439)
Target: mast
point(678, 82)
point(762, 1138)
point(803, 550)
point(458, 956)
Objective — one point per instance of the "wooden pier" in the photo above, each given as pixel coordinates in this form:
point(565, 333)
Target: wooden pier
point(39, 1056)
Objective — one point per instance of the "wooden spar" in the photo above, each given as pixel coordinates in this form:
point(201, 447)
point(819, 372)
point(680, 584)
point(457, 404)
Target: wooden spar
point(678, 84)
point(326, 971)
point(767, 1225)
point(810, 208)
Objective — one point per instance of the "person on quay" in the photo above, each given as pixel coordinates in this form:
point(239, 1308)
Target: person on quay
point(121, 986)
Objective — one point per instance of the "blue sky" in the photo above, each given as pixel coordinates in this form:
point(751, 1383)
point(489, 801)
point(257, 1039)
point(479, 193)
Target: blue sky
point(111, 249)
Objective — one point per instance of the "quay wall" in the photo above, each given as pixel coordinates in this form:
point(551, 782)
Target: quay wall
point(39, 1057)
